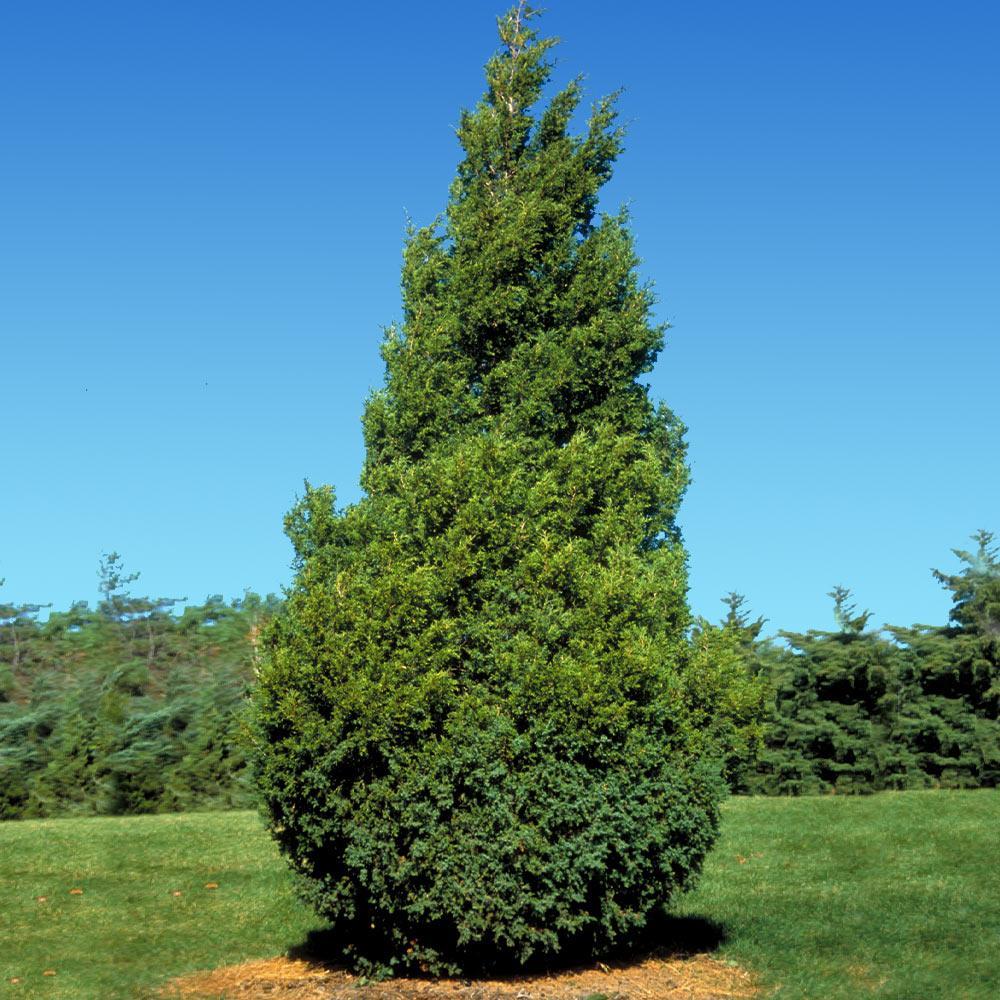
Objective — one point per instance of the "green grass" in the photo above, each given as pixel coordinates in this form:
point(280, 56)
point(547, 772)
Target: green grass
point(128, 932)
point(891, 895)
point(896, 895)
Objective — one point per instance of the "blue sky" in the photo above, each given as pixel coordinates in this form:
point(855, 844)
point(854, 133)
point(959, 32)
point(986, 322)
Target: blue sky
point(201, 218)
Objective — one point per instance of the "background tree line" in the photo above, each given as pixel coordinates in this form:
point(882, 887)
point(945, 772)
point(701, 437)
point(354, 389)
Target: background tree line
point(126, 707)
point(857, 709)
point(132, 707)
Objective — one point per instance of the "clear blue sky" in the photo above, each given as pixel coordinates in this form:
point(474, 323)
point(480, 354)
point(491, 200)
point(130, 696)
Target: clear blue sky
point(201, 218)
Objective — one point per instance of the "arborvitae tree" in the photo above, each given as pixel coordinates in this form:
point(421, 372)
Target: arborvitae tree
point(480, 734)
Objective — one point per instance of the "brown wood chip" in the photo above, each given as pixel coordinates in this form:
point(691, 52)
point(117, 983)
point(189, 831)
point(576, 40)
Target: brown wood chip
point(691, 977)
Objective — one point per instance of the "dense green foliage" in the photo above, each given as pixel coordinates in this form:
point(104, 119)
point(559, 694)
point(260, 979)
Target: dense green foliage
point(891, 895)
point(856, 711)
point(482, 734)
point(125, 708)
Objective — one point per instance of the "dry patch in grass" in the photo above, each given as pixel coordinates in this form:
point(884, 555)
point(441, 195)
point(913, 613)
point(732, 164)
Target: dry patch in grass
point(692, 977)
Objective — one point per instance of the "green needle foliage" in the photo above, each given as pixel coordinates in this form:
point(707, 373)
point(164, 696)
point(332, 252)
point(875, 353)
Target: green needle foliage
point(830, 715)
point(853, 711)
point(482, 736)
point(949, 691)
point(127, 708)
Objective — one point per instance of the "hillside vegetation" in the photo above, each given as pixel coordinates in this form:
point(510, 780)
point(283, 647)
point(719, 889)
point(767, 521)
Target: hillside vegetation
point(126, 707)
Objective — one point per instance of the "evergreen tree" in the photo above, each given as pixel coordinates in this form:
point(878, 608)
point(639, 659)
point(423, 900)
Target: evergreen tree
point(18, 625)
point(140, 621)
point(729, 662)
point(127, 708)
point(479, 731)
point(949, 692)
point(975, 618)
point(828, 717)
point(23, 730)
point(746, 632)
point(113, 585)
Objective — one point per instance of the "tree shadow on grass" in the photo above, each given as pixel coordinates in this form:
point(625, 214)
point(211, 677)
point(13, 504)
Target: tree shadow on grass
point(666, 936)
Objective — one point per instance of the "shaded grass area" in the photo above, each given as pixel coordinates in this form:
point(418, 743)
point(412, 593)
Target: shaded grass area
point(895, 895)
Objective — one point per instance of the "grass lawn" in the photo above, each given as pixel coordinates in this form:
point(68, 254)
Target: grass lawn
point(128, 930)
point(890, 895)
point(896, 895)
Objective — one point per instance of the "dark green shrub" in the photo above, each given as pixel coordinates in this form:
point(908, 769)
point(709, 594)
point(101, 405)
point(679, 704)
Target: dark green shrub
point(481, 734)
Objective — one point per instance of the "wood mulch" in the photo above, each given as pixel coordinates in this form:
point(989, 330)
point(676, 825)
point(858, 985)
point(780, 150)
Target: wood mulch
point(673, 977)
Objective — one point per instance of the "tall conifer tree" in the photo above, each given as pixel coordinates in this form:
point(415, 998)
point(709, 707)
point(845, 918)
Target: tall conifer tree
point(828, 714)
point(479, 735)
point(950, 678)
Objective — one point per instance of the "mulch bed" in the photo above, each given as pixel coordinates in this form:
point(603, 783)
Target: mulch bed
point(670, 977)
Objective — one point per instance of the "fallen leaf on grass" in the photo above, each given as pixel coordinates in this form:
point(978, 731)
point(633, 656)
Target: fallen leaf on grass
point(76, 892)
point(43, 899)
point(49, 972)
point(176, 892)
point(211, 885)
point(742, 860)
point(15, 980)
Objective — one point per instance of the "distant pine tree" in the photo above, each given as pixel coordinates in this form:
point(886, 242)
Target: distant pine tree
point(949, 691)
point(729, 664)
point(827, 722)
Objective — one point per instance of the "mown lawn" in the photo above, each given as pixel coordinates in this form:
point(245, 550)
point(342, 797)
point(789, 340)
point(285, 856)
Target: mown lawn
point(891, 895)
point(896, 895)
point(128, 931)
